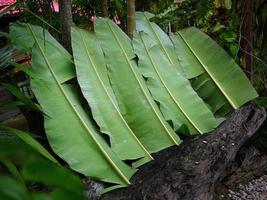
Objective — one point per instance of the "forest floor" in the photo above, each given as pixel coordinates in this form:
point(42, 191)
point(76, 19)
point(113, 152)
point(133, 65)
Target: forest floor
point(253, 190)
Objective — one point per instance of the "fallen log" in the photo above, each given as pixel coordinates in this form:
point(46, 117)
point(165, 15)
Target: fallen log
point(249, 165)
point(193, 169)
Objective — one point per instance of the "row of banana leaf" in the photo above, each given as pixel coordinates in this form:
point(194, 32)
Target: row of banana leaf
point(133, 97)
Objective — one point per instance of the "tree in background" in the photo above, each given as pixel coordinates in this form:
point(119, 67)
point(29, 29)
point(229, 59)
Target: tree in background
point(131, 17)
point(246, 41)
point(105, 8)
point(65, 23)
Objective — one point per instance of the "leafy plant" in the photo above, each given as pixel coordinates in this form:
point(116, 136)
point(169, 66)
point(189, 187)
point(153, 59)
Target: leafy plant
point(167, 83)
point(29, 139)
point(133, 97)
point(129, 113)
point(27, 175)
point(198, 60)
point(90, 66)
point(214, 83)
point(53, 67)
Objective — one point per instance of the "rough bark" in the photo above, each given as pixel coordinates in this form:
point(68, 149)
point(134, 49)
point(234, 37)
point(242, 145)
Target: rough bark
point(105, 8)
point(247, 37)
point(249, 164)
point(65, 23)
point(131, 24)
point(193, 169)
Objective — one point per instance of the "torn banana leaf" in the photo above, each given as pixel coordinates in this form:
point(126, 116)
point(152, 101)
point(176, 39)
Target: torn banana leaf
point(95, 85)
point(134, 99)
point(178, 101)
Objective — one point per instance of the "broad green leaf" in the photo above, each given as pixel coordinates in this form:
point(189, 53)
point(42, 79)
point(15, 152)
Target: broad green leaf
point(27, 138)
point(70, 131)
point(208, 91)
point(93, 80)
point(20, 96)
point(22, 38)
point(59, 194)
point(50, 174)
point(11, 189)
point(159, 36)
point(41, 196)
point(219, 80)
point(178, 101)
point(135, 101)
point(12, 169)
point(12, 145)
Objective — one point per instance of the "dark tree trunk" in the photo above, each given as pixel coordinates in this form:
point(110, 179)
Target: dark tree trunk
point(247, 37)
point(130, 17)
point(192, 170)
point(65, 23)
point(141, 5)
point(105, 8)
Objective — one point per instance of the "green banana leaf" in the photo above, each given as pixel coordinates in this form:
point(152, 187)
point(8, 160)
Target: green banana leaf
point(94, 82)
point(23, 162)
point(159, 36)
point(178, 101)
point(217, 75)
point(43, 171)
point(70, 131)
point(11, 145)
point(27, 138)
point(208, 91)
point(13, 170)
point(135, 101)
point(22, 38)
point(11, 189)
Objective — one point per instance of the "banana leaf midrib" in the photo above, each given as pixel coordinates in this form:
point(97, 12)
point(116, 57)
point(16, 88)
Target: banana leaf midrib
point(76, 113)
point(210, 75)
point(169, 92)
point(161, 44)
point(148, 100)
point(111, 99)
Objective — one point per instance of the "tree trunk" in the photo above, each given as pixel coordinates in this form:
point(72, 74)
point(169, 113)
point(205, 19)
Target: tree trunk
point(247, 37)
point(130, 17)
point(105, 8)
point(192, 170)
point(65, 23)
point(141, 5)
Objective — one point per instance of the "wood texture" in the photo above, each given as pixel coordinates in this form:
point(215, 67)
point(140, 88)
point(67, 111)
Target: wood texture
point(65, 23)
point(131, 24)
point(193, 169)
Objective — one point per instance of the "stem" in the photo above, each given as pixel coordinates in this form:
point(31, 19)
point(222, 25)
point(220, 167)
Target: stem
point(131, 18)
point(247, 38)
point(65, 23)
point(105, 8)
